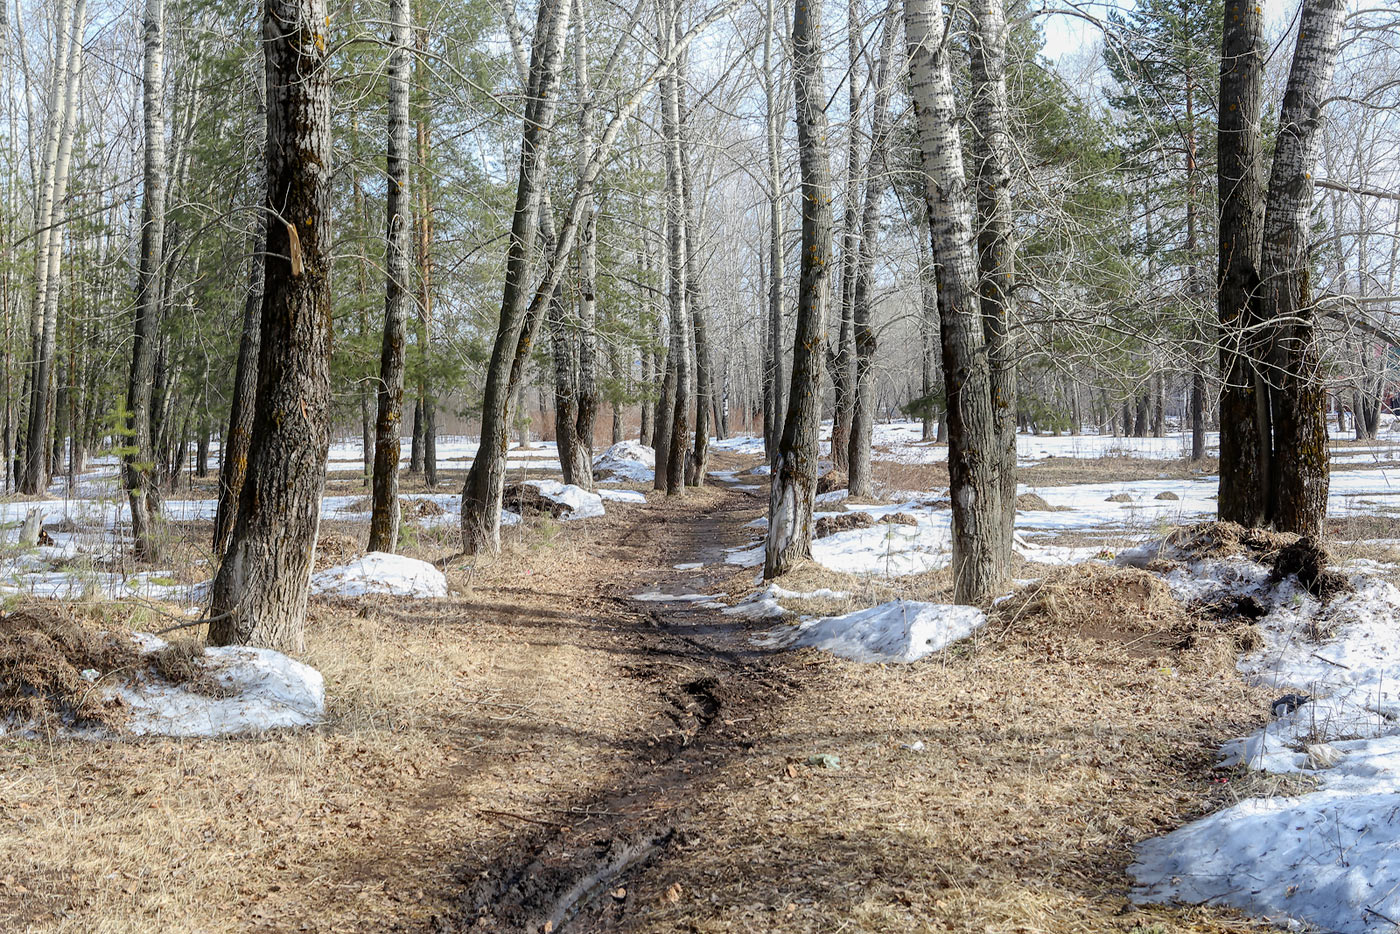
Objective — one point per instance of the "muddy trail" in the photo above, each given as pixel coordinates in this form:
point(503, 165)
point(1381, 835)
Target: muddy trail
point(715, 686)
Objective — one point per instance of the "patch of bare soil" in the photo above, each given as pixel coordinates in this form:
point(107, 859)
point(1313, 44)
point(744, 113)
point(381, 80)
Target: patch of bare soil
point(830, 525)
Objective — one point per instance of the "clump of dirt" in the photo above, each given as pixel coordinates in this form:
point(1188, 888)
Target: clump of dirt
point(1099, 604)
point(899, 518)
point(1306, 560)
point(43, 654)
point(1222, 539)
point(421, 508)
point(831, 480)
point(53, 666)
point(830, 525)
point(526, 500)
point(183, 663)
point(333, 550)
point(1120, 498)
point(1034, 502)
point(1167, 495)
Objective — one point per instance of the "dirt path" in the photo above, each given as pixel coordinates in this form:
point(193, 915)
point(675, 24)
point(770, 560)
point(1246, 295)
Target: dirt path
point(542, 749)
point(715, 685)
point(999, 788)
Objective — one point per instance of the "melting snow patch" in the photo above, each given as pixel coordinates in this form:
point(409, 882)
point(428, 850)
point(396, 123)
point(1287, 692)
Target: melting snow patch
point(381, 573)
point(627, 460)
point(582, 504)
point(1330, 858)
point(624, 496)
point(266, 690)
point(898, 631)
point(657, 597)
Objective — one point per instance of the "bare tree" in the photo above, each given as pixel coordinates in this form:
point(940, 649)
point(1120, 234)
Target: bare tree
point(793, 491)
point(398, 296)
point(260, 591)
point(979, 558)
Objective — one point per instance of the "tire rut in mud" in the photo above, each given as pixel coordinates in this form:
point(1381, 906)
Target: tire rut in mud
point(574, 877)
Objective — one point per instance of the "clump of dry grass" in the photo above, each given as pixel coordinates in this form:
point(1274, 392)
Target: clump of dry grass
point(44, 650)
point(1096, 602)
point(1225, 539)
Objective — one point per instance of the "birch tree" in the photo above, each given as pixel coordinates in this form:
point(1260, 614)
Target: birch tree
point(793, 490)
point(398, 295)
point(979, 558)
point(138, 465)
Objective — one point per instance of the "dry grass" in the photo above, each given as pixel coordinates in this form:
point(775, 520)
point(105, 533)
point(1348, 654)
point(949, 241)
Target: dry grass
point(1051, 746)
point(443, 717)
point(1040, 769)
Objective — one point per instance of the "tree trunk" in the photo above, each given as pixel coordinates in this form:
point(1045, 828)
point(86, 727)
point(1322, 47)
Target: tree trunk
point(260, 591)
point(843, 362)
point(861, 378)
point(676, 289)
point(138, 466)
point(1244, 404)
point(1299, 399)
point(427, 395)
point(36, 473)
point(398, 297)
point(991, 150)
point(695, 297)
point(233, 449)
point(793, 490)
point(481, 495)
point(773, 415)
point(979, 559)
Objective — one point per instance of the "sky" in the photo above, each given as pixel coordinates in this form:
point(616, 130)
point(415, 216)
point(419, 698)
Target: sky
point(1069, 35)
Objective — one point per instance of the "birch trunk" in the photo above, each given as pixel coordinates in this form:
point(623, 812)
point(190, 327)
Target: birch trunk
point(676, 288)
point(260, 591)
point(793, 490)
point(861, 389)
point(139, 464)
point(35, 477)
point(991, 151)
point(398, 297)
point(979, 561)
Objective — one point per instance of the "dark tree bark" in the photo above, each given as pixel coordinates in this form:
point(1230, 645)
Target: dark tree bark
point(793, 491)
point(695, 298)
point(842, 358)
point(1300, 480)
point(260, 591)
point(398, 296)
point(481, 495)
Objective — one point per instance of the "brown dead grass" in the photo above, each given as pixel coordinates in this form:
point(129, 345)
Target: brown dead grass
point(1040, 770)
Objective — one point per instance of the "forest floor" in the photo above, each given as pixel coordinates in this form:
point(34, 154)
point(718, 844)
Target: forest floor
point(541, 751)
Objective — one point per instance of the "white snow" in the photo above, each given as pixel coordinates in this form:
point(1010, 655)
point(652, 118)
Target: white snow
point(898, 631)
point(268, 690)
point(623, 496)
point(582, 504)
point(381, 573)
point(1330, 858)
point(627, 460)
point(655, 596)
